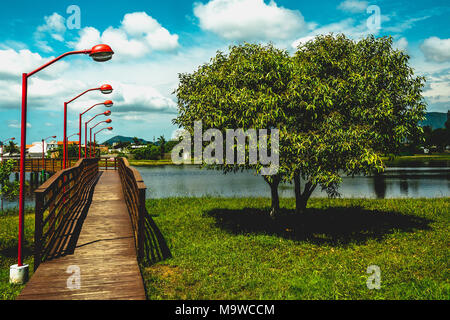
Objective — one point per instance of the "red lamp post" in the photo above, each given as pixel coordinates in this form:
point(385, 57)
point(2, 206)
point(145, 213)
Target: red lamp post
point(99, 53)
point(3, 144)
point(43, 152)
point(75, 134)
point(90, 135)
point(106, 113)
point(108, 128)
point(107, 103)
point(105, 89)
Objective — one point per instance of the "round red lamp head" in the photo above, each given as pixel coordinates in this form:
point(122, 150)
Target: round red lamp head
point(107, 113)
point(109, 128)
point(108, 103)
point(106, 89)
point(101, 53)
point(108, 121)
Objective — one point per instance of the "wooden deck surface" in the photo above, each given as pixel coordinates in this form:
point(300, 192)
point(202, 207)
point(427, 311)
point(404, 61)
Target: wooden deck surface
point(105, 253)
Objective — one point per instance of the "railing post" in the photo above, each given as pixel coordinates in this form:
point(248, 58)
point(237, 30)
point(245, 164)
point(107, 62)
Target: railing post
point(38, 229)
point(140, 222)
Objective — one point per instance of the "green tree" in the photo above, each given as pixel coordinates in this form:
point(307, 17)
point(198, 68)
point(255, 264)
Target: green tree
point(339, 105)
point(12, 148)
point(72, 151)
point(8, 189)
point(245, 89)
point(150, 152)
point(440, 139)
point(162, 144)
point(136, 141)
point(427, 132)
point(353, 102)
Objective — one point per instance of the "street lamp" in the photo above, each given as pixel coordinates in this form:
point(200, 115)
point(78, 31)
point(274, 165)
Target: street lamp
point(100, 53)
point(108, 128)
point(75, 134)
point(106, 113)
point(105, 89)
point(2, 145)
point(107, 103)
point(43, 153)
point(90, 135)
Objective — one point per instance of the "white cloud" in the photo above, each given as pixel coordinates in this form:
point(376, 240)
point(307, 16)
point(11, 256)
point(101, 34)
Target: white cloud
point(16, 125)
point(438, 88)
point(403, 25)
point(353, 6)
point(137, 35)
point(436, 49)
point(346, 26)
point(54, 24)
point(249, 19)
point(13, 63)
point(140, 98)
point(401, 44)
point(54, 27)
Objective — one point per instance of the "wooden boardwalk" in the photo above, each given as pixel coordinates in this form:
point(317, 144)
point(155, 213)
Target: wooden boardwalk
point(105, 254)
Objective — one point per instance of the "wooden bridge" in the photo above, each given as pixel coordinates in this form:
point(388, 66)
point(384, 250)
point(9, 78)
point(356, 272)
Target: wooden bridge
point(91, 232)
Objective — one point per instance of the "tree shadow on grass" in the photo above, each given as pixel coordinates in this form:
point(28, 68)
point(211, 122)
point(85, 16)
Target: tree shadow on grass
point(11, 252)
point(333, 226)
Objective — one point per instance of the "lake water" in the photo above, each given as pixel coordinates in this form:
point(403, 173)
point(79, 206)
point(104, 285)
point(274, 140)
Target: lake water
point(403, 180)
point(395, 182)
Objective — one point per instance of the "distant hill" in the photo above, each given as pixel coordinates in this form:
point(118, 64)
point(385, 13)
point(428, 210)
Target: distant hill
point(435, 120)
point(122, 139)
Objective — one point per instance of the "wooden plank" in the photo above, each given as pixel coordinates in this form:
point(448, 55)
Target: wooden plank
point(105, 253)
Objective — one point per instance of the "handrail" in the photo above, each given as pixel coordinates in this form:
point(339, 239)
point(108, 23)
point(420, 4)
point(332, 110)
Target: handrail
point(37, 164)
point(134, 193)
point(58, 202)
point(107, 163)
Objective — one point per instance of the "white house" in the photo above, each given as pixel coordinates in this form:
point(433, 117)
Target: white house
point(35, 151)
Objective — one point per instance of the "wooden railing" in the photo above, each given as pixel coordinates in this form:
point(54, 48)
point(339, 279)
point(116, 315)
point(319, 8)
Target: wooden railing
point(150, 243)
point(61, 203)
point(49, 165)
point(107, 163)
point(134, 193)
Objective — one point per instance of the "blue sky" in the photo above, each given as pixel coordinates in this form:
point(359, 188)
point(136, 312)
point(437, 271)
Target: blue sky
point(156, 40)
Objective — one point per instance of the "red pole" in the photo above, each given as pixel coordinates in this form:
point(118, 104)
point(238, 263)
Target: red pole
point(90, 142)
point(43, 156)
point(79, 140)
point(23, 145)
point(85, 140)
point(65, 137)
point(94, 146)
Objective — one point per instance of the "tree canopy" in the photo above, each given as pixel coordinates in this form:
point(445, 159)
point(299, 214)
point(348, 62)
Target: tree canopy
point(339, 105)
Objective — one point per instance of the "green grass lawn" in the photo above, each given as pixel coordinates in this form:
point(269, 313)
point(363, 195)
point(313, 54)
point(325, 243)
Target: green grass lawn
point(9, 222)
point(231, 249)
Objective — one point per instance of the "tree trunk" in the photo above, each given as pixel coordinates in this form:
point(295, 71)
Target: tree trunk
point(298, 192)
point(274, 183)
point(301, 199)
